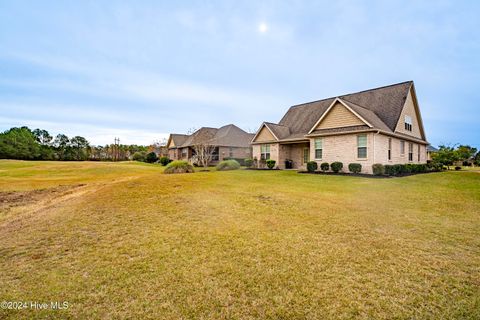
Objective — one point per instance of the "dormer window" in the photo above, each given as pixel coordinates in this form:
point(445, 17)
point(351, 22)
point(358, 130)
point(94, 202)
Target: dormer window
point(408, 123)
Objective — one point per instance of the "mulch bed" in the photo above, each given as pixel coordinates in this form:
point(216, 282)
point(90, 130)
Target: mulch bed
point(361, 175)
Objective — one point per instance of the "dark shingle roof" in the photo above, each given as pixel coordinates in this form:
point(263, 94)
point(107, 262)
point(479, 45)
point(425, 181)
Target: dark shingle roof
point(380, 107)
point(279, 131)
point(178, 139)
point(232, 136)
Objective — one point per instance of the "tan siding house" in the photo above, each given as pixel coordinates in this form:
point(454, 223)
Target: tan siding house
point(381, 125)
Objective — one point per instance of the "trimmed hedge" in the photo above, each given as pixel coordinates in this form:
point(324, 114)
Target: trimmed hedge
point(378, 169)
point(325, 166)
point(228, 165)
point(248, 163)
point(178, 166)
point(401, 169)
point(312, 166)
point(336, 166)
point(355, 167)
point(270, 163)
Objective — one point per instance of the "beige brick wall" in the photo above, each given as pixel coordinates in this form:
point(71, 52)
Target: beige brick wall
point(274, 151)
point(381, 151)
point(343, 148)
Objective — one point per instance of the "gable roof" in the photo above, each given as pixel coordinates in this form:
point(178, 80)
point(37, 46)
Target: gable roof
point(228, 136)
point(380, 108)
point(178, 139)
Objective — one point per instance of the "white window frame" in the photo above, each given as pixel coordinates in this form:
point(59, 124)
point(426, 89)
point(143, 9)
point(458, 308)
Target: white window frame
point(402, 148)
point(264, 151)
point(410, 152)
point(366, 147)
point(408, 123)
point(315, 148)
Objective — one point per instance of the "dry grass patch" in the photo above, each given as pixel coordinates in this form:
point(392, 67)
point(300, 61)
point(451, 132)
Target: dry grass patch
point(246, 244)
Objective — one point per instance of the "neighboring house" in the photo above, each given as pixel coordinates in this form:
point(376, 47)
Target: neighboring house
point(228, 141)
point(381, 125)
point(430, 151)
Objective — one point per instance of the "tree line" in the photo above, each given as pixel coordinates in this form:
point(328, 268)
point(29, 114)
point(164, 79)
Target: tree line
point(457, 155)
point(25, 144)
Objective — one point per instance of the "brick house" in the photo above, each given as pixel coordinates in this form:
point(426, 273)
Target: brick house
point(381, 125)
point(228, 141)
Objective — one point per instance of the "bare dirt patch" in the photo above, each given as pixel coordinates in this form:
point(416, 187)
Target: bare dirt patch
point(11, 199)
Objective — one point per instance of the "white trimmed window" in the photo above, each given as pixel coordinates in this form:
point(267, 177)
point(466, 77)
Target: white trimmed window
point(362, 146)
point(408, 123)
point(318, 148)
point(418, 150)
point(265, 152)
point(402, 147)
point(410, 151)
point(389, 148)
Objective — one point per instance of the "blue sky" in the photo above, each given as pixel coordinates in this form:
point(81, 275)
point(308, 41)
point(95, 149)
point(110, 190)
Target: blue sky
point(142, 69)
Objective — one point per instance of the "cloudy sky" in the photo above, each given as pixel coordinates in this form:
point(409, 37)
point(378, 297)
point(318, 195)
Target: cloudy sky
point(141, 69)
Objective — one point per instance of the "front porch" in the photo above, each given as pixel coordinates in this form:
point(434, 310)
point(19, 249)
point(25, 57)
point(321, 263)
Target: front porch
point(287, 155)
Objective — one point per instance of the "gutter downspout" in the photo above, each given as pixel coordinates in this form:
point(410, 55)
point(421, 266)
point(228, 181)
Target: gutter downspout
point(374, 150)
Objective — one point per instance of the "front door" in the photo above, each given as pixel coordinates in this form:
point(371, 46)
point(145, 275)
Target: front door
point(306, 155)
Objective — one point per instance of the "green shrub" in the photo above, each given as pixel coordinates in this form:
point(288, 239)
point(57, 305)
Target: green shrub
point(388, 170)
point(151, 157)
point(139, 156)
point(312, 166)
point(325, 166)
point(355, 167)
point(239, 160)
point(270, 163)
point(434, 166)
point(178, 166)
point(164, 161)
point(400, 169)
point(248, 163)
point(378, 169)
point(228, 165)
point(408, 168)
point(336, 166)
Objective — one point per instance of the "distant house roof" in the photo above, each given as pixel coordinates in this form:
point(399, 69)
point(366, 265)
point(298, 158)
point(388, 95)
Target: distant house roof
point(178, 139)
point(227, 136)
point(380, 108)
point(431, 148)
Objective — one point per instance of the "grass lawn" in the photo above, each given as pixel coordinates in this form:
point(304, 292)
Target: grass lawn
point(123, 240)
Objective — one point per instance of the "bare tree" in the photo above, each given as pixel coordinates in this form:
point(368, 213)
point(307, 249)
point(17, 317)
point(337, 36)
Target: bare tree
point(203, 153)
point(191, 130)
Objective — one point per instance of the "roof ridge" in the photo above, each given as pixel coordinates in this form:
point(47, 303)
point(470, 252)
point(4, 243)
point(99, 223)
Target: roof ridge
point(349, 94)
point(276, 124)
